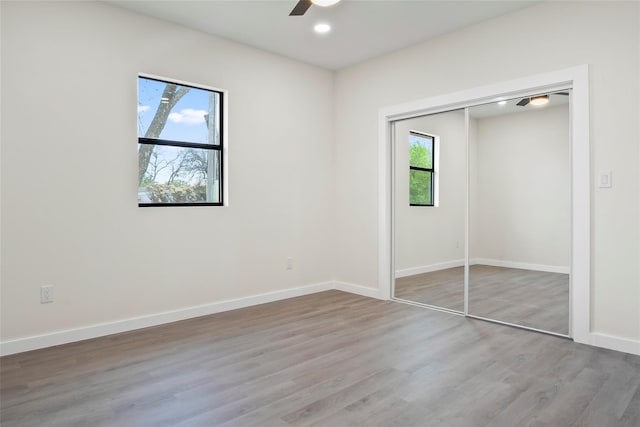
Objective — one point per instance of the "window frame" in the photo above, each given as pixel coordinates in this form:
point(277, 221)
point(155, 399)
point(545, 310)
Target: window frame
point(222, 120)
point(432, 169)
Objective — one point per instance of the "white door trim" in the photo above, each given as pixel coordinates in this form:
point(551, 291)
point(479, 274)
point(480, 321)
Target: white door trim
point(576, 78)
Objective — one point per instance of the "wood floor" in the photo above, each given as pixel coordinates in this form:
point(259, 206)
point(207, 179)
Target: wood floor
point(328, 359)
point(529, 298)
point(442, 288)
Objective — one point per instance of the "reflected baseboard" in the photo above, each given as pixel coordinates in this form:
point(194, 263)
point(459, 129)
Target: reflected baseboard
point(482, 261)
point(429, 268)
point(520, 265)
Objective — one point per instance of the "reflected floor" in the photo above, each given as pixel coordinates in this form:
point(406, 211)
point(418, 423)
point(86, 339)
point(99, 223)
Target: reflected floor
point(442, 288)
point(535, 299)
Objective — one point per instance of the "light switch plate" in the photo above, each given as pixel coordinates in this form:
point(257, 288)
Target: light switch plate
point(604, 179)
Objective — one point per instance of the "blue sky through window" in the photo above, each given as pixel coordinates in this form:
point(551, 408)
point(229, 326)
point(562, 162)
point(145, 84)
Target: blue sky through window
point(186, 121)
point(170, 173)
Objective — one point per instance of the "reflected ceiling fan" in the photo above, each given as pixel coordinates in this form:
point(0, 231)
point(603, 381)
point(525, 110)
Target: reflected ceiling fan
point(302, 6)
point(539, 99)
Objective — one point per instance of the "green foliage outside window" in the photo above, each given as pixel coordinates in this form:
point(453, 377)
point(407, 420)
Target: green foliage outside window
point(420, 170)
point(420, 188)
point(420, 155)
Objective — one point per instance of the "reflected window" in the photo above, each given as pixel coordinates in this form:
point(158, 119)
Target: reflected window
point(421, 169)
point(179, 144)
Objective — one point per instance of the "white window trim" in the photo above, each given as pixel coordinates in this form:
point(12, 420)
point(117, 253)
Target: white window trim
point(225, 125)
point(436, 165)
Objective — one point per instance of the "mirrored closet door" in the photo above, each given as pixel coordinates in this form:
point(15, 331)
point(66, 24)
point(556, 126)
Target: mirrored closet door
point(486, 190)
point(520, 217)
point(429, 209)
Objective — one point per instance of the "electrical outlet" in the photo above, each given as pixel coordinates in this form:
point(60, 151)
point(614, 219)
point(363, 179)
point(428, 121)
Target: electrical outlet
point(46, 294)
point(289, 263)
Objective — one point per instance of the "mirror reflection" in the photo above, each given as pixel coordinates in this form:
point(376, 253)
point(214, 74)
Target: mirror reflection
point(429, 221)
point(519, 254)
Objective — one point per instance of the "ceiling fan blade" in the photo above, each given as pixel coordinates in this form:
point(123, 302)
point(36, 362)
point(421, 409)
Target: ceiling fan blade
point(300, 8)
point(523, 102)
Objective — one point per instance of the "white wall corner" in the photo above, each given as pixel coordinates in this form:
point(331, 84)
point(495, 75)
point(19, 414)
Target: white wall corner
point(359, 290)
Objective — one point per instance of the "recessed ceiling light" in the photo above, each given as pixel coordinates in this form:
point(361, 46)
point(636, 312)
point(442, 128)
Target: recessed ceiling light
point(324, 3)
point(502, 102)
point(539, 100)
point(322, 28)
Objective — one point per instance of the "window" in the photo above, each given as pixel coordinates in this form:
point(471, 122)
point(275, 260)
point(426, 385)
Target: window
point(421, 169)
point(180, 144)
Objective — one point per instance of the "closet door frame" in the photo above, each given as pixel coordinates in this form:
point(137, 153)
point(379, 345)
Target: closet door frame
point(575, 78)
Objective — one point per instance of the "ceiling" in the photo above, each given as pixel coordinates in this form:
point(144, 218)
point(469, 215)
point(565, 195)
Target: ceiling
point(361, 29)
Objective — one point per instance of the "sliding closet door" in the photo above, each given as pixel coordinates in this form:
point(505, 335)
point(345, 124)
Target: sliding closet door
point(429, 209)
point(519, 254)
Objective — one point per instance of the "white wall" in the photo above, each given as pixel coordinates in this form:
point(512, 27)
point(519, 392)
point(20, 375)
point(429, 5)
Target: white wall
point(69, 213)
point(69, 171)
point(426, 236)
point(521, 207)
point(602, 34)
point(522, 188)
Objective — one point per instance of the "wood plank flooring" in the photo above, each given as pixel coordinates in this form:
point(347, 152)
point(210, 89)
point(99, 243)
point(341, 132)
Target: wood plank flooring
point(529, 298)
point(328, 359)
point(442, 288)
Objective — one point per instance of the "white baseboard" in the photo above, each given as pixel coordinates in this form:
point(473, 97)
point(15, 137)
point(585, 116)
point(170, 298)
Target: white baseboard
point(611, 342)
point(482, 261)
point(358, 290)
point(521, 265)
point(429, 268)
point(93, 331)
